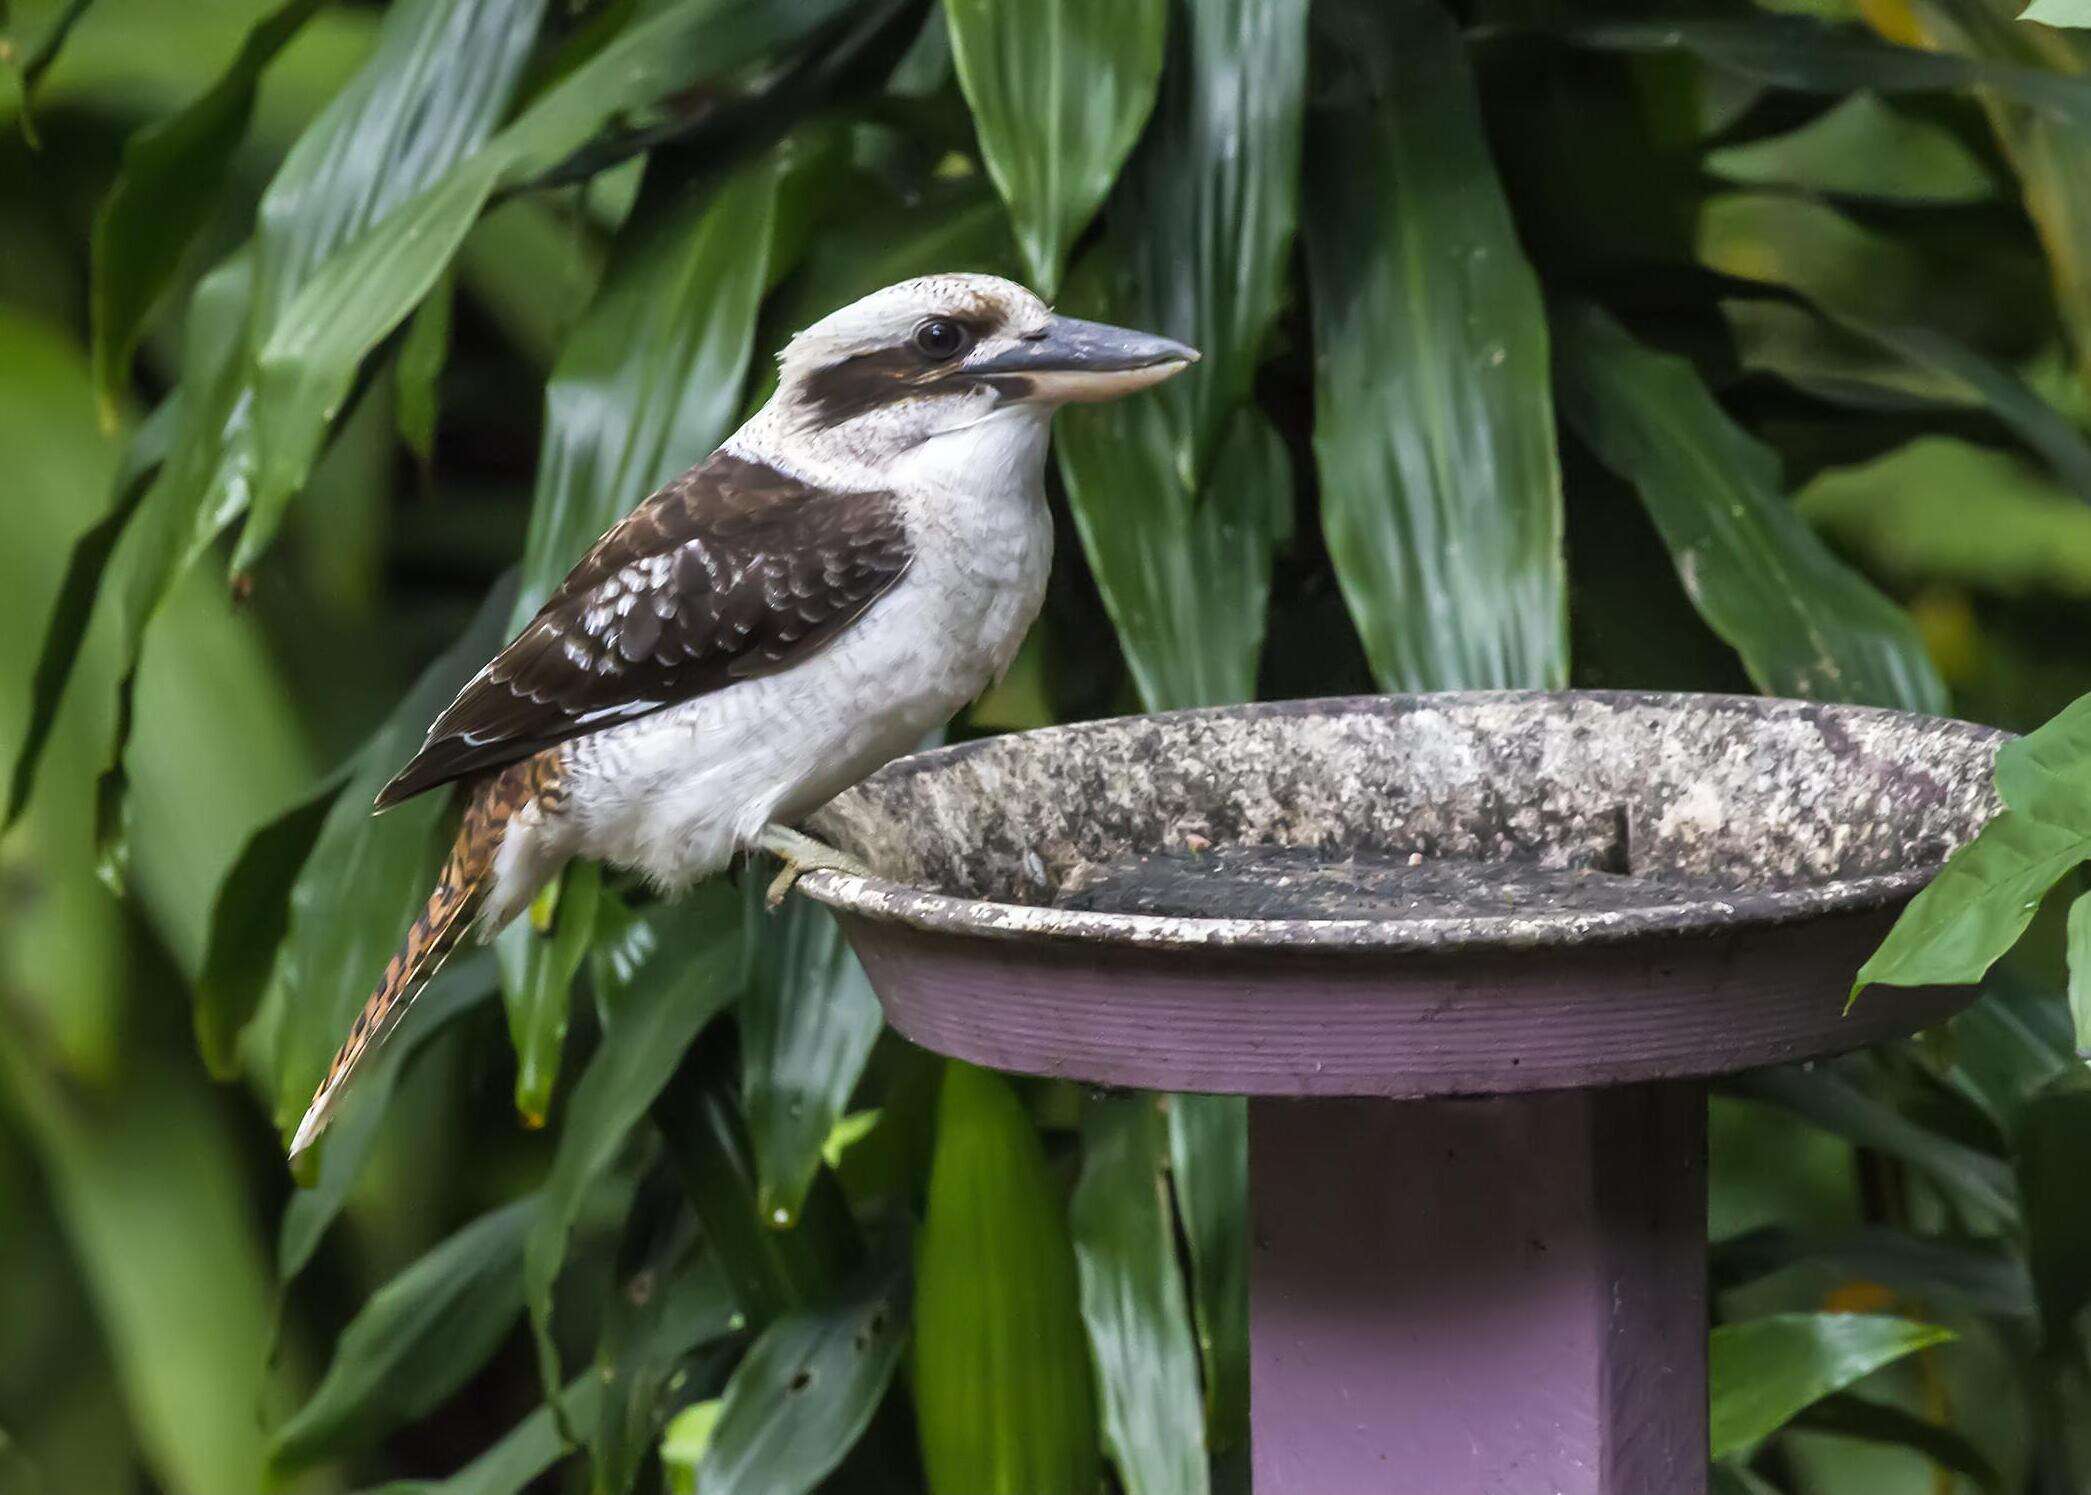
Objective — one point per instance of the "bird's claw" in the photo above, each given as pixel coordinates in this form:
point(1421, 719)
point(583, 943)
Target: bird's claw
point(802, 854)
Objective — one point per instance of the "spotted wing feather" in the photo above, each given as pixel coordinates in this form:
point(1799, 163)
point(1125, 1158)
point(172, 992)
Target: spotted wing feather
point(732, 571)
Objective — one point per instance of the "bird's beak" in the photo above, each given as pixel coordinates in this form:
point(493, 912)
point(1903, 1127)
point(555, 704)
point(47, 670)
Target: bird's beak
point(1070, 360)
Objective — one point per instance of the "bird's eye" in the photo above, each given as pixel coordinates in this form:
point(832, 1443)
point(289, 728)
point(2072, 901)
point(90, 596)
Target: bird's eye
point(940, 338)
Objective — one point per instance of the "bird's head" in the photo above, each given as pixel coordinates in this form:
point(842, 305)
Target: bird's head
point(942, 354)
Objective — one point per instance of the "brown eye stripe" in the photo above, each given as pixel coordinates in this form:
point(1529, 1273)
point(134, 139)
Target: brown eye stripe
point(848, 389)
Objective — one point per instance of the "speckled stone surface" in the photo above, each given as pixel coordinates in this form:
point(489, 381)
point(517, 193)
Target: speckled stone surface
point(1448, 822)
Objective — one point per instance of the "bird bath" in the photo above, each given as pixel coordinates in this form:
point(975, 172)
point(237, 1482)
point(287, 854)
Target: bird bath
point(1474, 958)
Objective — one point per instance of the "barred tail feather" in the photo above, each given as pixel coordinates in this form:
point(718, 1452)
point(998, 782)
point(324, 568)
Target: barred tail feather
point(467, 879)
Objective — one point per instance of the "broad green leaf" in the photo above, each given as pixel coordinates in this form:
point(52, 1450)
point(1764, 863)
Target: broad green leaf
point(683, 1442)
point(2080, 972)
point(1941, 509)
point(1862, 148)
point(1849, 1416)
point(538, 967)
point(650, 380)
point(807, 1025)
point(249, 918)
point(1002, 1382)
point(420, 1337)
point(670, 1294)
point(463, 983)
point(1766, 1370)
point(1988, 891)
point(165, 193)
point(1804, 623)
point(773, 1271)
point(2058, 12)
point(804, 1395)
point(2052, 1138)
point(1434, 416)
point(1209, 1165)
point(1059, 90)
point(1133, 1301)
point(1824, 1096)
point(366, 878)
point(685, 980)
point(1186, 581)
point(419, 373)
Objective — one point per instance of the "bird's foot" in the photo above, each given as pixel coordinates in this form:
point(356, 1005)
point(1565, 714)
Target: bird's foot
point(800, 854)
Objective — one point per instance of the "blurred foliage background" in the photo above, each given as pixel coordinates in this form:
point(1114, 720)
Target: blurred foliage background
point(1546, 343)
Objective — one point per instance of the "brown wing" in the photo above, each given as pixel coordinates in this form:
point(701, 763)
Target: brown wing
point(733, 570)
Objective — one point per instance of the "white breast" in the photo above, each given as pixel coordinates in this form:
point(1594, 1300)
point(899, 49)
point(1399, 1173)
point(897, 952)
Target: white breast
point(675, 794)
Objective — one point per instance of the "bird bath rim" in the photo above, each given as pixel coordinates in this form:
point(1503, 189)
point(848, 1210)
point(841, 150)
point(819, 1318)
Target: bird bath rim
point(1701, 911)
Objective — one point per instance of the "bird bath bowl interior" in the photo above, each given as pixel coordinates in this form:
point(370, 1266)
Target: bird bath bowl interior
point(1474, 957)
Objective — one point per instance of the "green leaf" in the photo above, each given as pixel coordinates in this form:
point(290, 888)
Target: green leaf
point(1832, 1102)
point(670, 1295)
point(683, 1442)
point(2058, 12)
point(686, 978)
point(1866, 149)
point(1988, 891)
point(366, 878)
point(1765, 1371)
point(1209, 1165)
point(650, 380)
point(2054, 1133)
point(1804, 623)
point(773, 1271)
point(538, 967)
point(530, 1448)
point(461, 985)
point(803, 1396)
point(2080, 972)
point(1849, 1416)
point(1133, 1302)
point(420, 1337)
point(1434, 417)
point(1943, 510)
point(249, 917)
point(1059, 90)
point(419, 373)
point(807, 1025)
point(29, 69)
point(1002, 1382)
point(1985, 1276)
point(165, 193)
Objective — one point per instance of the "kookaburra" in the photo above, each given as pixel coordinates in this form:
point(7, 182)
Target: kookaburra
point(857, 562)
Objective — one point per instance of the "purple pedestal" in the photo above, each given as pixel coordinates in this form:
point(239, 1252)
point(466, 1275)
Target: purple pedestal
point(1480, 1297)
point(1473, 957)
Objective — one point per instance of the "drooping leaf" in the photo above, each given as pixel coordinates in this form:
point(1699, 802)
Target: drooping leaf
point(538, 967)
point(1434, 420)
point(773, 1270)
point(1862, 148)
point(2053, 1133)
point(420, 371)
point(366, 878)
point(804, 1395)
point(1988, 891)
point(165, 193)
point(418, 1339)
point(1762, 1372)
point(460, 986)
point(1984, 1276)
point(1059, 90)
point(650, 380)
point(685, 980)
point(2058, 13)
point(1002, 1382)
point(807, 1025)
point(1209, 1166)
point(1804, 623)
point(1825, 1097)
point(249, 917)
point(669, 1295)
point(1133, 1302)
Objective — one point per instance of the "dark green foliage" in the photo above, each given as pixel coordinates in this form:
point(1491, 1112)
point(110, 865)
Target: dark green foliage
point(427, 292)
